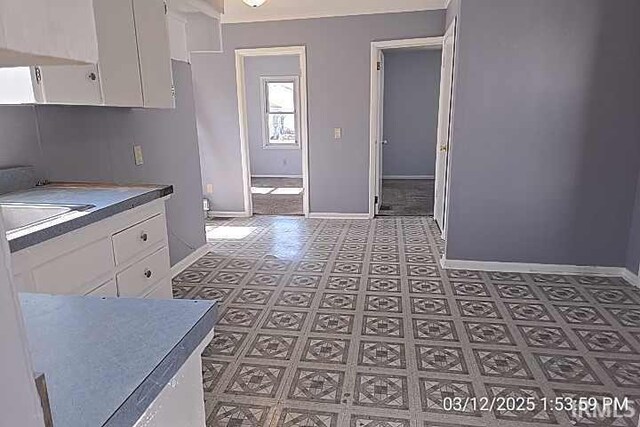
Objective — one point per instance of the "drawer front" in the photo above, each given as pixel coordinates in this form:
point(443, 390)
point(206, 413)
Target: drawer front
point(108, 289)
point(161, 290)
point(130, 242)
point(75, 272)
point(136, 280)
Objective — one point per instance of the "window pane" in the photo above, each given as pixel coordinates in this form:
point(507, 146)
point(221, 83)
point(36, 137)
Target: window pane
point(282, 129)
point(281, 97)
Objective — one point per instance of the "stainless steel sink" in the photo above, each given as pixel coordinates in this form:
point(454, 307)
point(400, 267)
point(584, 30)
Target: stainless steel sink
point(20, 215)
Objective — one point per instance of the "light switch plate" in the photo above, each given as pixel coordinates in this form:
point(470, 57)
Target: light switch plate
point(137, 155)
point(337, 133)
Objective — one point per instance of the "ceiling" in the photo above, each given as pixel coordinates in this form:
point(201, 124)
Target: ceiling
point(275, 10)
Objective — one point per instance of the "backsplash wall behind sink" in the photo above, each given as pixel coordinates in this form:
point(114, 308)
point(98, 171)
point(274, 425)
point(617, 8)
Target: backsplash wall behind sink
point(96, 144)
point(17, 178)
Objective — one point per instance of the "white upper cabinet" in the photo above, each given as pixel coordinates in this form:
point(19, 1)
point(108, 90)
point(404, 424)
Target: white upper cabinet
point(118, 50)
point(133, 67)
point(71, 85)
point(154, 53)
point(212, 8)
point(44, 32)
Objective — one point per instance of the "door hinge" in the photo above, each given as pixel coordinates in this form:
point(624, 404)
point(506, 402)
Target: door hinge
point(375, 200)
point(166, 8)
point(379, 65)
point(38, 74)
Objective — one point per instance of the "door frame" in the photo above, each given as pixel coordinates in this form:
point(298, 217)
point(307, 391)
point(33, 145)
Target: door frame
point(241, 54)
point(434, 43)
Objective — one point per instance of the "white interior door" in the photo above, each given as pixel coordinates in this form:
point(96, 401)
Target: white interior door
point(380, 131)
point(444, 126)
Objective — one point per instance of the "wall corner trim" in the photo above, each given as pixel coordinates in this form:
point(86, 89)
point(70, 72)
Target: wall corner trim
point(631, 277)
point(335, 215)
point(181, 265)
point(564, 269)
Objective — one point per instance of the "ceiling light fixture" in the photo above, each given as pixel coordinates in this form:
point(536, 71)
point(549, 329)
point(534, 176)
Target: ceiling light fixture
point(254, 3)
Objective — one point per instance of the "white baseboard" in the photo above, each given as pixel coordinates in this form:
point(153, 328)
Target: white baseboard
point(331, 215)
point(631, 278)
point(189, 259)
point(276, 176)
point(408, 177)
point(563, 269)
point(222, 214)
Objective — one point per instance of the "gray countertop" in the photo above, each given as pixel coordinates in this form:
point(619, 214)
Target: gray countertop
point(107, 199)
point(107, 359)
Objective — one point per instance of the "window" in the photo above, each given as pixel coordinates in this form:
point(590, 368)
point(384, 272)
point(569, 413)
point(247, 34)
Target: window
point(280, 106)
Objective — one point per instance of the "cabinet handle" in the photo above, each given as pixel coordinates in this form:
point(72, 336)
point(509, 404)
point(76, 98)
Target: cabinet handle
point(147, 273)
point(144, 237)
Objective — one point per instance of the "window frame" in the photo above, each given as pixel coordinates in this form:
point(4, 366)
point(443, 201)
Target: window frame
point(264, 100)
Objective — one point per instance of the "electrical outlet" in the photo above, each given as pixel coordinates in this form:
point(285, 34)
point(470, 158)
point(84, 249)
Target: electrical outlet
point(209, 188)
point(137, 155)
point(337, 133)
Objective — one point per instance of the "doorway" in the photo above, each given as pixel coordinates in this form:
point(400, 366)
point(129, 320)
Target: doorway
point(272, 103)
point(432, 189)
point(410, 111)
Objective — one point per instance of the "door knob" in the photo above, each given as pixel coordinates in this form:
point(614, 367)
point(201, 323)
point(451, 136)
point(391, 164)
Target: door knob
point(385, 142)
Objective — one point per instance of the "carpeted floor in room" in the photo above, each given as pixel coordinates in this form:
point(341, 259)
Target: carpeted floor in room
point(407, 197)
point(341, 323)
point(277, 196)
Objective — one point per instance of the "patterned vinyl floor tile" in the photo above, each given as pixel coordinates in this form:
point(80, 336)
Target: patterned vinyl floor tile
point(353, 323)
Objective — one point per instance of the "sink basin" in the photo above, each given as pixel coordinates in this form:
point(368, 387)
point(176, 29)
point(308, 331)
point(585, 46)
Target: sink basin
point(20, 215)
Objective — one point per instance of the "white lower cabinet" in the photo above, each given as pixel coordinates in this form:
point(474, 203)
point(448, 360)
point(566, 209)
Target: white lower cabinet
point(180, 403)
point(126, 255)
point(139, 279)
point(108, 289)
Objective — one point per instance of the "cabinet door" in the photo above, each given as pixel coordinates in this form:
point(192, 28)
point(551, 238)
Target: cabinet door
point(118, 50)
point(154, 53)
point(75, 85)
point(108, 289)
point(46, 32)
point(75, 272)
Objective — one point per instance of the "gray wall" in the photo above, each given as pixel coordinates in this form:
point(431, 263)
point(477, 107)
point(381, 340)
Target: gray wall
point(19, 137)
point(632, 262)
point(265, 161)
point(96, 144)
point(411, 101)
point(545, 151)
point(338, 61)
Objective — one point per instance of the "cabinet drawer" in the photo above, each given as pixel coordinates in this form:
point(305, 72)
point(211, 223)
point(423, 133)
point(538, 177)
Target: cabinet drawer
point(136, 280)
point(133, 240)
point(108, 289)
point(75, 272)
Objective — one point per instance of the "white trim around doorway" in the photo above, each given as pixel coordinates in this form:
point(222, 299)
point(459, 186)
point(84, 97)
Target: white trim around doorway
point(241, 54)
point(376, 47)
